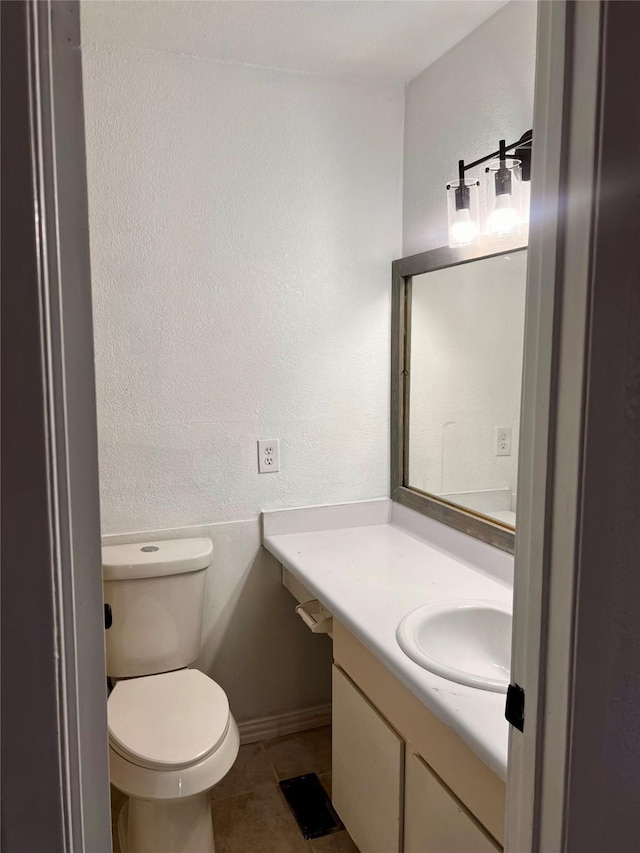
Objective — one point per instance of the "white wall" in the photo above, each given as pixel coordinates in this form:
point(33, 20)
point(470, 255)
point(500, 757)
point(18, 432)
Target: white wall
point(477, 93)
point(467, 335)
point(242, 224)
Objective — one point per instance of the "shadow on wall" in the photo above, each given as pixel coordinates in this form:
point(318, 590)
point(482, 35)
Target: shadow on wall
point(254, 645)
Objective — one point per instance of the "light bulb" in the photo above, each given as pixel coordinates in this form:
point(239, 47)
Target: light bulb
point(463, 229)
point(504, 218)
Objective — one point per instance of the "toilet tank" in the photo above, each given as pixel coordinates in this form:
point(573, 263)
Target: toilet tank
point(156, 594)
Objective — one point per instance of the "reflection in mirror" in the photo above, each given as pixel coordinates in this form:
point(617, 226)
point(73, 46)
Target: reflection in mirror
point(465, 368)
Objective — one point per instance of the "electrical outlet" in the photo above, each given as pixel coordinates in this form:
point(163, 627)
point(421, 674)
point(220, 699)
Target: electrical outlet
point(503, 441)
point(268, 455)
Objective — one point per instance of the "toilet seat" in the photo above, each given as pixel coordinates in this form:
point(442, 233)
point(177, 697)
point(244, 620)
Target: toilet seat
point(168, 721)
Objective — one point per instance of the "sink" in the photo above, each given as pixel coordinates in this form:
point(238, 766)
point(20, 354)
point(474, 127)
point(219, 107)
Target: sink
point(465, 641)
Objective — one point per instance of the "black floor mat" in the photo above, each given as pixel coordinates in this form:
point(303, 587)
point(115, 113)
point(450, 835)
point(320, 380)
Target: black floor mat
point(310, 805)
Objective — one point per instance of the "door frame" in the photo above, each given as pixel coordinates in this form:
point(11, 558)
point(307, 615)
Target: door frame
point(575, 623)
point(55, 756)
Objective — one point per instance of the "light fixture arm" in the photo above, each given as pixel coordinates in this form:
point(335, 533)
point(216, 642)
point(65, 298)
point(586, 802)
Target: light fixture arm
point(521, 149)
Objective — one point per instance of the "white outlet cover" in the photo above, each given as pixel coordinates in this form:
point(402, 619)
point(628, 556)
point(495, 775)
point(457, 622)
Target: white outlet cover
point(268, 455)
point(503, 441)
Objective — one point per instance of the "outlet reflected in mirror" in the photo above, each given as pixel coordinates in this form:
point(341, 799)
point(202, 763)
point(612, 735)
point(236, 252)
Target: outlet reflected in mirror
point(464, 362)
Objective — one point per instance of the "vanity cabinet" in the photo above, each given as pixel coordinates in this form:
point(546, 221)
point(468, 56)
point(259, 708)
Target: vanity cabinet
point(403, 782)
point(367, 770)
point(434, 820)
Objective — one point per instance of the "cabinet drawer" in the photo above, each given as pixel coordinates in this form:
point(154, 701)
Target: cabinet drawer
point(368, 757)
point(434, 820)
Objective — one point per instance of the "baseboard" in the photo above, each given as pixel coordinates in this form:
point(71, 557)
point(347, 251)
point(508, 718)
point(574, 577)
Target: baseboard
point(287, 723)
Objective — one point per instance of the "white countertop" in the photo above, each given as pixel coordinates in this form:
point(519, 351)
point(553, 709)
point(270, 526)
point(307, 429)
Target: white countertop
point(375, 563)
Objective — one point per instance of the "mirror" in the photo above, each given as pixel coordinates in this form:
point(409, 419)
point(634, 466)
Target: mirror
point(465, 361)
point(460, 341)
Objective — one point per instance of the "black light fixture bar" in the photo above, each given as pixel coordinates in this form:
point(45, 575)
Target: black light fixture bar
point(522, 150)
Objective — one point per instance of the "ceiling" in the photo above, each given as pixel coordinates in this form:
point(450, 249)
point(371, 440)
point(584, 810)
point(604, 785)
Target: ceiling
point(378, 40)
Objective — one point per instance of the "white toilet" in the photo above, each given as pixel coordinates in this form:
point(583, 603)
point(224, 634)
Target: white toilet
point(171, 734)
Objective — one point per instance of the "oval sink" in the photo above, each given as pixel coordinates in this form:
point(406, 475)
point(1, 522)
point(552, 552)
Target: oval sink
point(465, 641)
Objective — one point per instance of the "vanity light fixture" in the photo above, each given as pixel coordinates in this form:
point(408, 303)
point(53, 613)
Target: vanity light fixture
point(504, 193)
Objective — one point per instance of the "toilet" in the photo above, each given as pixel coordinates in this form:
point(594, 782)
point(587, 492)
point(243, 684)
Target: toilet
point(171, 734)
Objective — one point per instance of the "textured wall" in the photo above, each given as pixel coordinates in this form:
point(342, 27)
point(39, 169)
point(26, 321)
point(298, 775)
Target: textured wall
point(474, 95)
point(242, 223)
point(467, 335)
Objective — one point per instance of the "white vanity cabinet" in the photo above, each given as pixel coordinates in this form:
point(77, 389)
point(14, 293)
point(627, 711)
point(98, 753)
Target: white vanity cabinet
point(367, 770)
point(402, 781)
point(434, 820)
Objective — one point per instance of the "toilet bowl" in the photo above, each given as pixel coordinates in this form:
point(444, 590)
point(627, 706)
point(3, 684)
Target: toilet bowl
point(171, 739)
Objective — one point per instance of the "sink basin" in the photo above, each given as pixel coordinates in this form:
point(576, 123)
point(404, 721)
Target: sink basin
point(465, 641)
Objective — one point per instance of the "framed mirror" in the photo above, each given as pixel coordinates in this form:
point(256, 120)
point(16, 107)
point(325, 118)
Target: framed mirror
point(457, 348)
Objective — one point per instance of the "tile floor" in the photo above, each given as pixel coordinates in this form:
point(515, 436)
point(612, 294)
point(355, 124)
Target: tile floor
point(250, 815)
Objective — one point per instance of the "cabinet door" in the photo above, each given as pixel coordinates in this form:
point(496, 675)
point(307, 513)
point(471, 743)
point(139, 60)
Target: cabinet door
point(434, 820)
point(367, 770)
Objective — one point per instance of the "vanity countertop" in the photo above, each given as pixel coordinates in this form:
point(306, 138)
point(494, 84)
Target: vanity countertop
point(370, 564)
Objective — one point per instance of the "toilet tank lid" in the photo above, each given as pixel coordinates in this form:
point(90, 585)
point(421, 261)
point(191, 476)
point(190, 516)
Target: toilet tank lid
point(154, 559)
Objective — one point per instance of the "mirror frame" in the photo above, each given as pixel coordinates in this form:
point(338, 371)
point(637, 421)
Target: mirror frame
point(402, 272)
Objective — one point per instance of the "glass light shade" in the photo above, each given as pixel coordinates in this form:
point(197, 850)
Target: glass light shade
point(504, 198)
point(463, 210)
